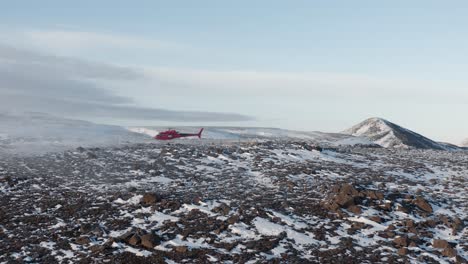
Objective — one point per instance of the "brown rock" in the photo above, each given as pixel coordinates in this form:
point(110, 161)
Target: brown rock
point(233, 219)
point(401, 241)
point(134, 240)
point(333, 206)
point(460, 260)
point(149, 241)
point(430, 223)
point(412, 230)
point(457, 225)
point(181, 249)
point(197, 200)
point(357, 225)
point(380, 196)
point(375, 195)
point(349, 190)
point(445, 220)
point(440, 243)
point(96, 249)
point(149, 198)
point(403, 251)
point(409, 223)
point(223, 209)
point(126, 236)
point(449, 252)
point(457, 222)
point(422, 204)
point(354, 209)
point(402, 209)
point(344, 200)
point(376, 218)
point(82, 240)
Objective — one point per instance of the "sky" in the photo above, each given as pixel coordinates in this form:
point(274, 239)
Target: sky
point(302, 65)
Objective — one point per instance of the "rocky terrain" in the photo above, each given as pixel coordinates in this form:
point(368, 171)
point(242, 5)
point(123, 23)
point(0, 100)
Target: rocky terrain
point(390, 135)
point(270, 201)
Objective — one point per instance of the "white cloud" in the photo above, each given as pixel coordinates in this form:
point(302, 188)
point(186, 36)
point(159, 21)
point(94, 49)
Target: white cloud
point(314, 85)
point(73, 42)
point(31, 81)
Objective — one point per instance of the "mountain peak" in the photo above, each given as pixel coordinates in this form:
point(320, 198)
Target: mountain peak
point(376, 119)
point(390, 135)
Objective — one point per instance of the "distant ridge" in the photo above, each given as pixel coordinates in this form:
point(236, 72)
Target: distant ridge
point(390, 135)
point(465, 143)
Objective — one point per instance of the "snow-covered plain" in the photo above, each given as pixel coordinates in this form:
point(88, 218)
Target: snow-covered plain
point(38, 133)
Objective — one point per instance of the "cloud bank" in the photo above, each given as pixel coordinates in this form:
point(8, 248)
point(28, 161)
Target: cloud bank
point(31, 81)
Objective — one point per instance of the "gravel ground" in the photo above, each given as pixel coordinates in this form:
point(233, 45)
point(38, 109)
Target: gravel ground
point(263, 202)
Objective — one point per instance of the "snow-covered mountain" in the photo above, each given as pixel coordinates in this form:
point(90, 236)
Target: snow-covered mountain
point(390, 135)
point(36, 133)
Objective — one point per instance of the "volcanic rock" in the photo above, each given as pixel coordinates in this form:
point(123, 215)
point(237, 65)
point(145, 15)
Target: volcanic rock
point(440, 243)
point(401, 241)
point(449, 252)
point(149, 241)
point(149, 198)
point(422, 204)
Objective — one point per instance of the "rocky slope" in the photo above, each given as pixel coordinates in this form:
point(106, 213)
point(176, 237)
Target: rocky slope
point(390, 135)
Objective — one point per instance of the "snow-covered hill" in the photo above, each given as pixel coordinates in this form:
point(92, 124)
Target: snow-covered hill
point(390, 135)
point(36, 133)
point(255, 133)
point(465, 143)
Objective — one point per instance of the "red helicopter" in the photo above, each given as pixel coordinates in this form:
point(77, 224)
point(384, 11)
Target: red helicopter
point(172, 134)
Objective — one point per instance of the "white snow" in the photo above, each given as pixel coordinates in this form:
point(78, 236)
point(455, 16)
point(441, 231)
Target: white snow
point(133, 201)
point(268, 228)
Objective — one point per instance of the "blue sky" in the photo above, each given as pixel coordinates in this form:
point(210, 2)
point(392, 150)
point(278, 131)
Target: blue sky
point(304, 65)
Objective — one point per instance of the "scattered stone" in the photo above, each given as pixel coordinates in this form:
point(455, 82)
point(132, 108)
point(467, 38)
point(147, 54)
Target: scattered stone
point(440, 243)
point(181, 249)
point(355, 209)
point(233, 219)
point(376, 219)
point(401, 241)
point(449, 252)
point(422, 204)
point(134, 240)
point(83, 240)
point(149, 198)
point(460, 260)
point(403, 209)
point(96, 249)
point(223, 209)
point(409, 223)
point(403, 251)
point(149, 241)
